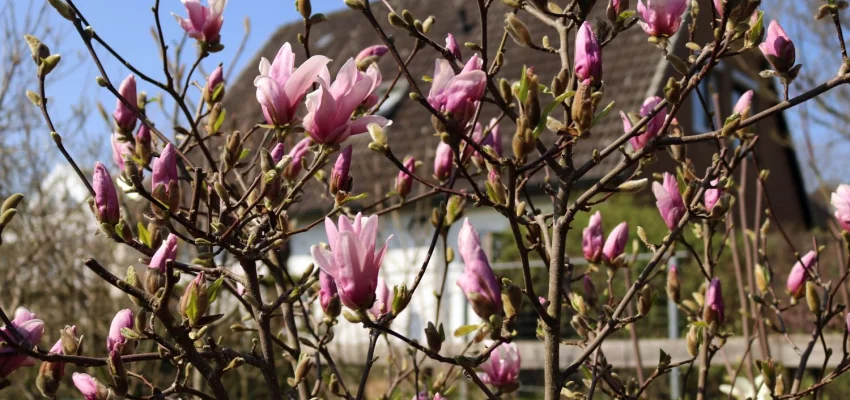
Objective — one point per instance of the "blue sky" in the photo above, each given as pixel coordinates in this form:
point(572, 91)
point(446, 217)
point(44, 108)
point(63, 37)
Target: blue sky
point(127, 24)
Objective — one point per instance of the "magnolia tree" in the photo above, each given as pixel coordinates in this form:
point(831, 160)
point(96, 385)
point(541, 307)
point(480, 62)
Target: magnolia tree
point(209, 201)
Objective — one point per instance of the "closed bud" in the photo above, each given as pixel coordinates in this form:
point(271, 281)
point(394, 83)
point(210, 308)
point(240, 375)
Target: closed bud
point(812, 297)
point(762, 278)
point(523, 140)
point(495, 189)
point(645, 300)
point(531, 108)
point(517, 30)
point(118, 373)
point(356, 5)
point(195, 301)
point(133, 280)
point(582, 108)
point(578, 304)
point(633, 186)
point(579, 326)
point(496, 326)
point(511, 298)
point(692, 341)
point(303, 367)
point(434, 337)
point(38, 49)
point(589, 290)
point(673, 284)
point(768, 373)
point(304, 8)
point(377, 133)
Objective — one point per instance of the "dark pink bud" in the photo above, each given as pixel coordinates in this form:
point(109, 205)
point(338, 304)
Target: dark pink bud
point(592, 238)
point(105, 196)
point(298, 152)
point(443, 161)
point(714, 309)
point(404, 182)
point(377, 50)
point(327, 291)
point(167, 251)
point(588, 56)
point(215, 79)
point(452, 47)
point(778, 49)
point(477, 282)
point(798, 276)
point(116, 341)
point(164, 168)
point(277, 152)
point(89, 387)
point(340, 178)
point(125, 117)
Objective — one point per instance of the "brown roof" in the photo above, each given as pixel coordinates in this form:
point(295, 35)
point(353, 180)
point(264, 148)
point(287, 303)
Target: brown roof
point(632, 70)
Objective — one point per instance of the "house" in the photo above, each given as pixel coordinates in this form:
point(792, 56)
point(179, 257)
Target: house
point(633, 70)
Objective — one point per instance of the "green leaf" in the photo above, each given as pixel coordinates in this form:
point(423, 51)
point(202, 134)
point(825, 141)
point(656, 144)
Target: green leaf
point(220, 120)
point(360, 196)
point(144, 235)
point(522, 93)
point(465, 330)
point(602, 114)
point(214, 288)
point(548, 110)
point(130, 334)
point(625, 15)
point(244, 153)
point(192, 307)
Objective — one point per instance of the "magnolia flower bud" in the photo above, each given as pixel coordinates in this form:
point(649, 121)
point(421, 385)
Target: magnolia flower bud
point(778, 49)
point(762, 278)
point(118, 373)
point(404, 182)
point(523, 140)
point(615, 244)
point(125, 117)
point(496, 191)
point(443, 161)
point(593, 238)
point(589, 290)
point(692, 341)
point(105, 196)
point(644, 300)
point(214, 90)
point(434, 337)
point(673, 284)
point(582, 108)
point(588, 56)
point(714, 310)
point(340, 178)
point(812, 297)
point(194, 302)
point(511, 298)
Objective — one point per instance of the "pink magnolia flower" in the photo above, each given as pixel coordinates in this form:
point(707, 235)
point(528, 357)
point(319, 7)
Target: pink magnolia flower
point(477, 282)
point(105, 196)
point(711, 196)
point(383, 300)
point(125, 117)
point(588, 56)
point(327, 290)
point(592, 238)
point(443, 161)
point(404, 182)
point(502, 368)
point(618, 6)
point(120, 149)
point(89, 387)
point(352, 260)
point(651, 129)
point(28, 328)
point(167, 251)
point(452, 47)
point(458, 95)
point(377, 50)
point(340, 177)
point(616, 243)
point(204, 23)
point(778, 49)
point(116, 341)
point(798, 276)
point(329, 109)
point(847, 321)
point(669, 200)
point(164, 168)
point(661, 18)
point(714, 309)
point(280, 87)
point(840, 199)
